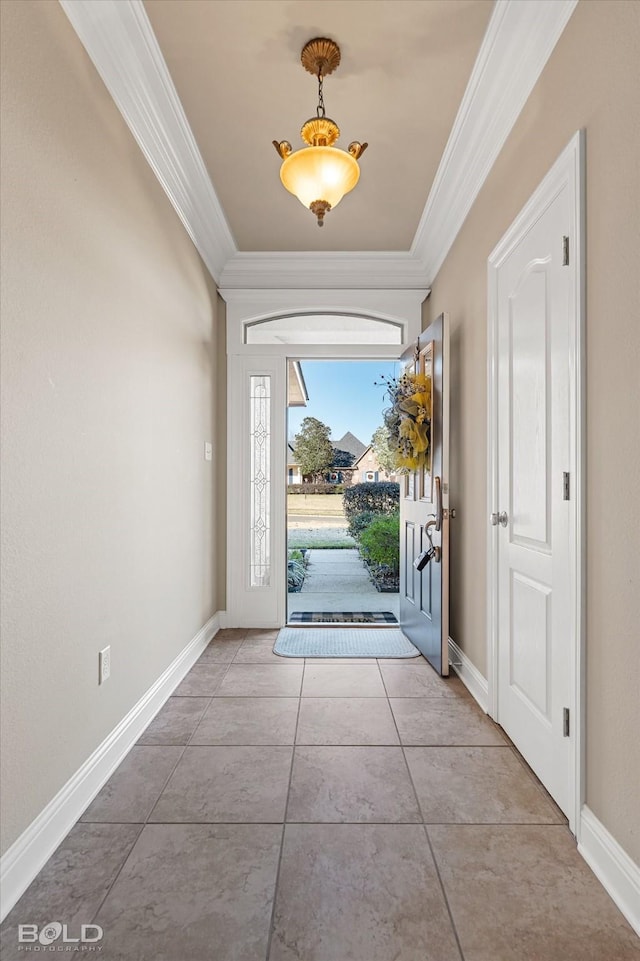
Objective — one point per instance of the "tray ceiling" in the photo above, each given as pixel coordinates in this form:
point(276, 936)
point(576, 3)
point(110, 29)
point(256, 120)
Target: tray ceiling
point(236, 67)
point(214, 161)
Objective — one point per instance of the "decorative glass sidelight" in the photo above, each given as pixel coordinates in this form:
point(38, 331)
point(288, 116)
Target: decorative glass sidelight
point(260, 481)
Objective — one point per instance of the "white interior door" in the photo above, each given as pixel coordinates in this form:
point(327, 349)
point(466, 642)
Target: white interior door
point(424, 514)
point(532, 517)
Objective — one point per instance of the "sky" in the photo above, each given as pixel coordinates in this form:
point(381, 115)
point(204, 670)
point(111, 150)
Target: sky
point(343, 396)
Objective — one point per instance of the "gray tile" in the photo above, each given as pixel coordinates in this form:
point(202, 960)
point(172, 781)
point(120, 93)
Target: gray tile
point(419, 680)
point(72, 884)
point(176, 721)
point(258, 649)
point(444, 720)
point(346, 720)
point(202, 680)
point(418, 661)
point(337, 661)
point(258, 633)
point(342, 680)
point(221, 651)
point(524, 892)
point(351, 784)
point(477, 785)
point(135, 786)
point(231, 634)
point(262, 680)
point(194, 891)
point(248, 720)
point(360, 892)
point(218, 784)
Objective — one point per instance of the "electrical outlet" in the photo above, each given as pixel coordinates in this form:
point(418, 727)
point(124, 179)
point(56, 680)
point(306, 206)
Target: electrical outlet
point(104, 664)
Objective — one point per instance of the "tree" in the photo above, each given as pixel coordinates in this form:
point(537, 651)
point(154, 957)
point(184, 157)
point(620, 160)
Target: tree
point(313, 449)
point(342, 458)
point(384, 455)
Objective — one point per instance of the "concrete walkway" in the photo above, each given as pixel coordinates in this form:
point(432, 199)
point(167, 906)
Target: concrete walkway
point(337, 580)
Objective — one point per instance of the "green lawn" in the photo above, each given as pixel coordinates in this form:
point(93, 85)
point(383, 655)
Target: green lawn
point(319, 539)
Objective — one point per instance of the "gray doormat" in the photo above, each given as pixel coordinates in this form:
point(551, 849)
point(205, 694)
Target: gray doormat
point(342, 617)
point(343, 642)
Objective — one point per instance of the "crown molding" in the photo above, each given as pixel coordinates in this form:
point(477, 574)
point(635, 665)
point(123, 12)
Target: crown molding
point(120, 41)
point(517, 44)
point(321, 269)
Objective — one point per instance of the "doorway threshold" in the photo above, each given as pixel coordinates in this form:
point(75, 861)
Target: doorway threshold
point(351, 618)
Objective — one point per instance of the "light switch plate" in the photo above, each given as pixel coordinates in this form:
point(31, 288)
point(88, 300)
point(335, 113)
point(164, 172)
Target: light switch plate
point(208, 451)
point(104, 664)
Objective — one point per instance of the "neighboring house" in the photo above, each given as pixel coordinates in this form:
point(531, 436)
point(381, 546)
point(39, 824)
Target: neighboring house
point(294, 474)
point(368, 470)
point(365, 467)
point(351, 444)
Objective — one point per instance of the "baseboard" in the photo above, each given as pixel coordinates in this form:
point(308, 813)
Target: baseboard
point(614, 869)
point(26, 856)
point(469, 674)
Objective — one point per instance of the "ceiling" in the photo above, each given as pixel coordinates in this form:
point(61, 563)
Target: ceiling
point(434, 86)
point(236, 67)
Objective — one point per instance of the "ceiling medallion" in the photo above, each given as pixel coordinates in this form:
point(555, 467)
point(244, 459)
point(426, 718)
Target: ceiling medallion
point(319, 175)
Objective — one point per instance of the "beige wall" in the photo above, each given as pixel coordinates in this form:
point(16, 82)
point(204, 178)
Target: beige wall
point(110, 350)
point(592, 80)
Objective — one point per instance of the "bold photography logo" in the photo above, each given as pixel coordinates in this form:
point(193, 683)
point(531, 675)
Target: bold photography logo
point(54, 932)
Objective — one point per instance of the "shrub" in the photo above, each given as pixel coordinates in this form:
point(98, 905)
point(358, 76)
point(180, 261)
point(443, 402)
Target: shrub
point(380, 498)
point(295, 570)
point(360, 522)
point(380, 542)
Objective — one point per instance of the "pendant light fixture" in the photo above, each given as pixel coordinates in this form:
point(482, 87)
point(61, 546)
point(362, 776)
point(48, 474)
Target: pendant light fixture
point(319, 175)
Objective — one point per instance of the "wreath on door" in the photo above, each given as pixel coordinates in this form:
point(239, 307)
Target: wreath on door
point(408, 420)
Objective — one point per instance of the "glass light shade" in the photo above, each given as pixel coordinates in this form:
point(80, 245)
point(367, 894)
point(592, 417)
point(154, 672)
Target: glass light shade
point(319, 173)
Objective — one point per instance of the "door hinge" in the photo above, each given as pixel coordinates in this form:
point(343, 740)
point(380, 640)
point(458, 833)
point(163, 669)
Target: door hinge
point(566, 485)
point(565, 722)
point(565, 251)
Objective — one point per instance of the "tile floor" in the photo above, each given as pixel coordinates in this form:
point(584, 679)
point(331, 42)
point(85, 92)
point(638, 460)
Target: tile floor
point(323, 811)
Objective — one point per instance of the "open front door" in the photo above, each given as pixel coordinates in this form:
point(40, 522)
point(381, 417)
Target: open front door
point(424, 513)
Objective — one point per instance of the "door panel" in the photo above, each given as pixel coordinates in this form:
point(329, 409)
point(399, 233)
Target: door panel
point(529, 655)
point(409, 551)
point(424, 502)
point(533, 451)
point(529, 400)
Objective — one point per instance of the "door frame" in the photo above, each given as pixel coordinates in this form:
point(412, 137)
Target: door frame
point(567, 173)
point(265, 606)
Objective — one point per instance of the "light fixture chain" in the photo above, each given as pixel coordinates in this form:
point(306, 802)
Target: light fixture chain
point(320, 112)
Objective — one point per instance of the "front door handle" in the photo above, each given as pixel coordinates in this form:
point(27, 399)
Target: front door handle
point(501, 518)
point(438, 487)
point(432, 553)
